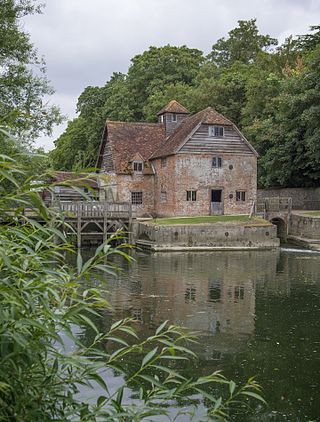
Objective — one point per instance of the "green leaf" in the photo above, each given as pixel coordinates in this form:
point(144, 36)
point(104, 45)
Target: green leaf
point(254, 395)
point(232, 387)
point(148, 357)
point(79, 262)
point(161, 327)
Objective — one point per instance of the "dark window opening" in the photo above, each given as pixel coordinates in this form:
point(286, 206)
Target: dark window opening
point(191, 195)
point(138, 166)
point(216, 195)
point(174, 117)
point(238, 293)
point(216, 131)
point(190, 294)
point(136, 198)
point(215, 291)
point(217, 162)
point(240, 196)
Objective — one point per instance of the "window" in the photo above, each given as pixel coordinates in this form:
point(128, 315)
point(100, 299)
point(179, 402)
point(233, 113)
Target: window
point(216, 162)
point(174, 118)
point(163, 196)
point(190, 294)
point(136, 198)
point(138, 166)
point(216, 131)
point(161, 118)
point(238, 293)
point(163, 162)
point(240, 196)
point(191, 195)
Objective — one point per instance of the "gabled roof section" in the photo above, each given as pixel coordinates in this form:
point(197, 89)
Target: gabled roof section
point(128, 139)
point(68, 178)
point(173, 107)
point(186, 129)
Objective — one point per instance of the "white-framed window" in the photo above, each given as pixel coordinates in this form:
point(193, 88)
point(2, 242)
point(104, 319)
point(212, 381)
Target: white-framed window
point(216, 162)
point(191, 195)
point(163, 196)
point(174, 117)
point(136, 198)
point(216, 131)
point(161, 118)
point(163, 162)
point(138, 166)
point(241, 195)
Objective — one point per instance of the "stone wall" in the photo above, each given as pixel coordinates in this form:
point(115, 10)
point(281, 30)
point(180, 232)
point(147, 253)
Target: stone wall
point(213, 236)
point(304, 226)
point(302, 198)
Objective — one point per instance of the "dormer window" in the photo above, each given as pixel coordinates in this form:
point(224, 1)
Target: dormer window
point(174, 118)
point(216, 131)
point(138, 166)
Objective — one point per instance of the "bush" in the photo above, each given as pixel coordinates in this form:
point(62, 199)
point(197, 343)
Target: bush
point(42, 299)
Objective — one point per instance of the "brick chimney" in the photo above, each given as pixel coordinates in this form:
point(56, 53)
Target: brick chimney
point(172, 115)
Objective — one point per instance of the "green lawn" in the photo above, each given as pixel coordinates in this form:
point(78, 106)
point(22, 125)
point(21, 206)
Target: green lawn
point(242, 219)
point(312, 213)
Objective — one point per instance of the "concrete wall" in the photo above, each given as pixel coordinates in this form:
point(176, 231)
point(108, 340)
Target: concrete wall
point(195, 172)
point(302, 198)
point(208, 236)
point(305, 227)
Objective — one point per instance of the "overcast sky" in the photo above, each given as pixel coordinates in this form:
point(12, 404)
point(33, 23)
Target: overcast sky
point(85, 41)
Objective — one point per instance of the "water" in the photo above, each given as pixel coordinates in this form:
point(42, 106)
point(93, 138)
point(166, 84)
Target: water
point(257, 313)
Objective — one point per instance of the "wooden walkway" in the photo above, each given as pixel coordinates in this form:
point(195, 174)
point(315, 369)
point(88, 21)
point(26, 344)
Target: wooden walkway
point(95, 218)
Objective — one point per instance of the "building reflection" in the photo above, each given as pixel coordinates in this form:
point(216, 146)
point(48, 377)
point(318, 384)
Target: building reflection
point(213, 294)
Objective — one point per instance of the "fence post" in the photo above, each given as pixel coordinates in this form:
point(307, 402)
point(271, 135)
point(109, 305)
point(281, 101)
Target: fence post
point(79, 225)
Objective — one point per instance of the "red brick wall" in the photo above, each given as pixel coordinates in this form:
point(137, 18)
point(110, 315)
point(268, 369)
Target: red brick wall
point(194, 172)
point(137, 182)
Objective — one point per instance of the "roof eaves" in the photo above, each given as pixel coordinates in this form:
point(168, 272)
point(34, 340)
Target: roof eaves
point(245, 140)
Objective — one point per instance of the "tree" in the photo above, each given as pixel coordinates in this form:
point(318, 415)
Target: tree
point(243, 45)
point(23, 84)
point(157, 68)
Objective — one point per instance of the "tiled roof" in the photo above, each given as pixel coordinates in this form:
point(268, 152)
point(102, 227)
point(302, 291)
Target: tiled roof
point(127, 139)
point(207, 116)
point(173, 107)
point(73, 179)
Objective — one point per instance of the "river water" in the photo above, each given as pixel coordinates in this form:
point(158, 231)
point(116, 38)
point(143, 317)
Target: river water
point(256, 313)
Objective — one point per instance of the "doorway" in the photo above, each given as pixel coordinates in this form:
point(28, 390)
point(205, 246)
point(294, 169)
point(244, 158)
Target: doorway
point(216, 207)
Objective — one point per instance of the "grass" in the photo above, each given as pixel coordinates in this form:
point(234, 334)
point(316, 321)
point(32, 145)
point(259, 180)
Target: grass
point(212, 219)
point(312, 213)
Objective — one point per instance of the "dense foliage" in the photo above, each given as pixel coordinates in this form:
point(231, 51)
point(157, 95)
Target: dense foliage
point(23, 85)
point(271, 93)
point(44, 302)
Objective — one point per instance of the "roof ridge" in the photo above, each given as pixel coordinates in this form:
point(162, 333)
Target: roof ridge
point(135, 123)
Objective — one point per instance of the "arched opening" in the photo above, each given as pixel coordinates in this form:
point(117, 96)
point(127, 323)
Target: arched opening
point(281, 229)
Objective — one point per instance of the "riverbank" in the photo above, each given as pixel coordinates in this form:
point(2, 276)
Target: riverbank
point(206, 234)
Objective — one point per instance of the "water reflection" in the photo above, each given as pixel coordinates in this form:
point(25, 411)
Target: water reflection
point(213, 294)
point(257, 313)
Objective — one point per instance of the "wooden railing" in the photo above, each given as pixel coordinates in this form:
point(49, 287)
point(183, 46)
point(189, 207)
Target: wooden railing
point(96, 209)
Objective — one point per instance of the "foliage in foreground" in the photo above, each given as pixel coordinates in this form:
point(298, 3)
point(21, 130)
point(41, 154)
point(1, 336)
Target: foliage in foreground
point(43, 364)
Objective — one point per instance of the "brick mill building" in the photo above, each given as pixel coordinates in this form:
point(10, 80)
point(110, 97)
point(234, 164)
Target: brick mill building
point(183, 165)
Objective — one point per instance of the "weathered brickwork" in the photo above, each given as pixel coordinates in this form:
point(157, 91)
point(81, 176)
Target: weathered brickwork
point(137, 183)
point(198, 165)
point(185, 172)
